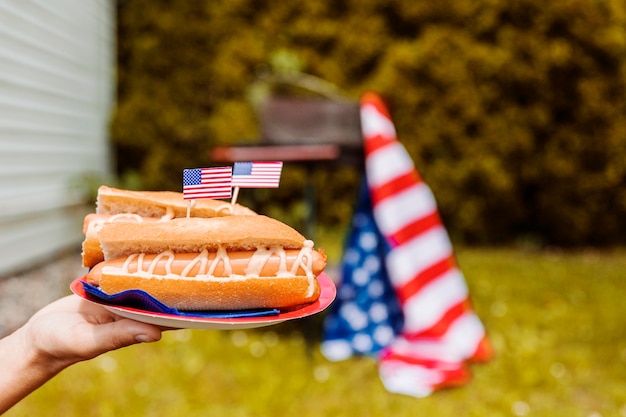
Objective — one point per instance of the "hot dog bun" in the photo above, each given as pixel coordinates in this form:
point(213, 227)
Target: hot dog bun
point(240, 233)
point(231, 262)
point(219, 294)
point(158, 204)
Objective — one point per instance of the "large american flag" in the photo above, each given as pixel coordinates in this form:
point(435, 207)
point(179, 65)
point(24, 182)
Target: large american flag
point(440, 332)
point(215, 182)
point(257, 174)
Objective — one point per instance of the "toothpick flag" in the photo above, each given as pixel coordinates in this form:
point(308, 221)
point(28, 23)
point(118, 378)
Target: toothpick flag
point(213, 182)
point(257, 174)
point(439, 332)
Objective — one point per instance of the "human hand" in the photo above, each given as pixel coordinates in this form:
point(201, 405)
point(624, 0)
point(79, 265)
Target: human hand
point(64, 332)
point(71, 330)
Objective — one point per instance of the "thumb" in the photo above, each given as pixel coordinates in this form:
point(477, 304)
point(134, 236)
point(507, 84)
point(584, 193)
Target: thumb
point(122, 333)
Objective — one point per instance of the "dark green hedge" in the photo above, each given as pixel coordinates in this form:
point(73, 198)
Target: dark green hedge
point(514, 111)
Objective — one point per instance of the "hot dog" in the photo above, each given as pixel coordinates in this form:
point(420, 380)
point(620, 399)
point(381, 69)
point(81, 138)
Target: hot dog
point(232, 262)
point(125, 206)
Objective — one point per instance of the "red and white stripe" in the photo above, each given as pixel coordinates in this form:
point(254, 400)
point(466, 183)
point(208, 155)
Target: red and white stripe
point(441, 331)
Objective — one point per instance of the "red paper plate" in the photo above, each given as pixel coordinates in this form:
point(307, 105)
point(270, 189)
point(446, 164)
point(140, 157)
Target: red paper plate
point(328, 293)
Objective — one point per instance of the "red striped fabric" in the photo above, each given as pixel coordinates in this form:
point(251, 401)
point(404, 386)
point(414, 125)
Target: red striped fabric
point(423, 277)
point(441, 332)
point(389, 189)
point(452, 313)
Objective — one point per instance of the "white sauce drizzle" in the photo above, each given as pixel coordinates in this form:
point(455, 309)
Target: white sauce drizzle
point(202, 259)
point(125, 216)
point(221, 256)
point(97, 225)
point(168, 263)
point(260, 258)
point(229, 208)
point(169, 213)
point(305, 260)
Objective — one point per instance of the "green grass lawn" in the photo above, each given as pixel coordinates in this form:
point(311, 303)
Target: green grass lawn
point(556, 320)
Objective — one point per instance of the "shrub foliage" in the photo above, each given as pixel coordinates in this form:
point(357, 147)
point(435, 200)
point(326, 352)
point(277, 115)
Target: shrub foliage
point(514, 111)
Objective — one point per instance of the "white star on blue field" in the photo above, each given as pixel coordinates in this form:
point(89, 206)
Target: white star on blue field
point(366, 315)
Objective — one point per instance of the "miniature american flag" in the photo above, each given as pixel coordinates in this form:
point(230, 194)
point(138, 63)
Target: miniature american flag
point(207, 183)
point(257, 174)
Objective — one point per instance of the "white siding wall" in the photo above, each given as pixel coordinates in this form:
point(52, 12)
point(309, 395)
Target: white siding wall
point(56, 92)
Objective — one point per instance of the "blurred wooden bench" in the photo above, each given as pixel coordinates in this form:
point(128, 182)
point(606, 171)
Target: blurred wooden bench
point(302, 130)
point(313, 132)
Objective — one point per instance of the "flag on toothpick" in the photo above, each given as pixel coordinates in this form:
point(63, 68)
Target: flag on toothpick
point(257, 174)
point(207, 183)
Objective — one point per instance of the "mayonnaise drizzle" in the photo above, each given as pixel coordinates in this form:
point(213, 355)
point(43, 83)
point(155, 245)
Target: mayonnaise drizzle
point(97, 225)
point(260, 258)
point(228, 208)
point(221, 256)
point(202, 259)
point(125, 216)
point(138, 258)
point(304, 261)
point(169, 213)
point(168, 263)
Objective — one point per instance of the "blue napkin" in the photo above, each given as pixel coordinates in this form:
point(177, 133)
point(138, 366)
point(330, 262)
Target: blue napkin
point(143, 301)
